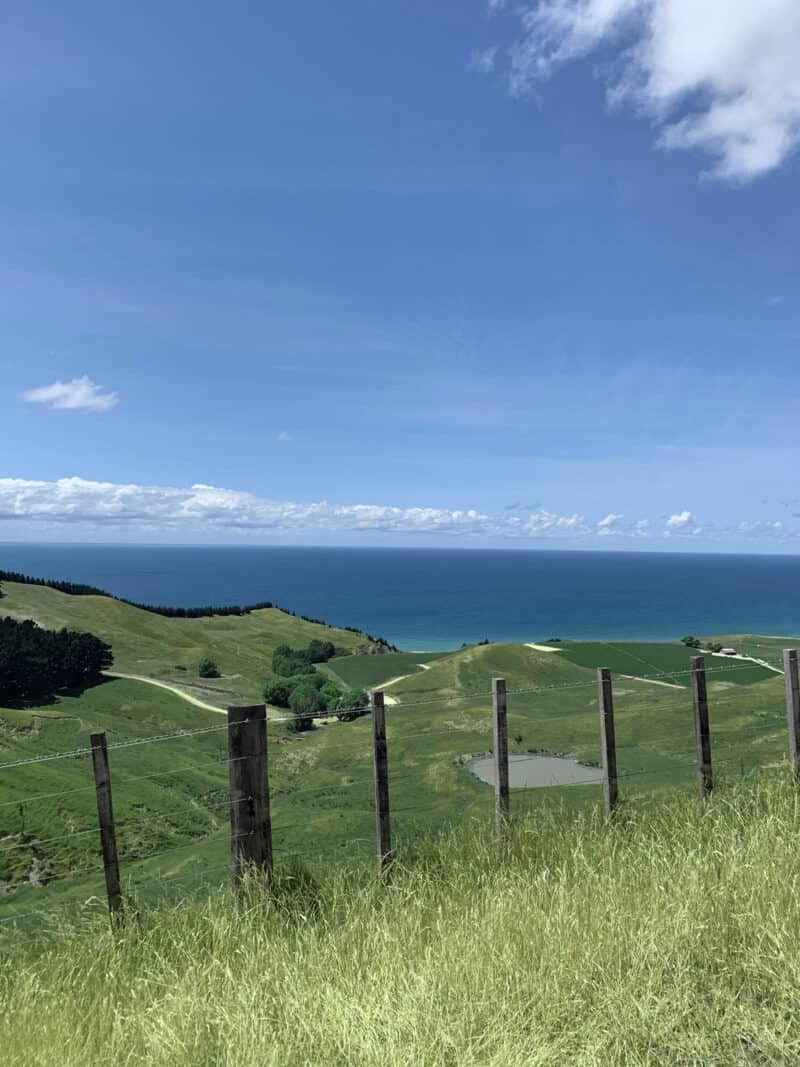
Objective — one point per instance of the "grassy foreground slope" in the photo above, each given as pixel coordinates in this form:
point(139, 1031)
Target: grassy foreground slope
point(168, 649)
point(670, 937)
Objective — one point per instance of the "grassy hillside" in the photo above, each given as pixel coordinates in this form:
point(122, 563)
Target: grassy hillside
point(165, 794)
point(670, 937)
point(644, 658)
point(372, 672)
point(168, 649)
point(171, 796)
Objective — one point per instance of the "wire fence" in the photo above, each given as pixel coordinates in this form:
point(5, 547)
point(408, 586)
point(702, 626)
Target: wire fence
point(349, 799)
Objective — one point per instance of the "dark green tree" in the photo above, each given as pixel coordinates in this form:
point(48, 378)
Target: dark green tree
point(207, 668)
point(352, 704)
point(305, 702)
point(277, 692)
point(330, 693)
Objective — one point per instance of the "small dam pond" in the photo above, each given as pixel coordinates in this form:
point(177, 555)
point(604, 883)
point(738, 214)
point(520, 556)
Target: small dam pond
point(535, 772)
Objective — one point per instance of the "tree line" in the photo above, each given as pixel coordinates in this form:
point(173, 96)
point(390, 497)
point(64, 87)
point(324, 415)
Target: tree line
point(36, 663)
point(81, 589)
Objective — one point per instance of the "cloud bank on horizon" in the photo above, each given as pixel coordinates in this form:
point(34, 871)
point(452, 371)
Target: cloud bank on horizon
point(716, 76)
point(78, 502)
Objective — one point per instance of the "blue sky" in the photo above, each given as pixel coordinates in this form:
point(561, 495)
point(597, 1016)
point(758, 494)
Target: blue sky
point(401, 273)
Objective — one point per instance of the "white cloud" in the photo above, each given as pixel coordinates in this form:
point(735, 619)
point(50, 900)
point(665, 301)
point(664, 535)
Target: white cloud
point(80, 394)
point(284, 437)
point(768, 527)
point(609, 525)
point(680, 521)
point(722, 76)
point(80, 502)
point(486, 60)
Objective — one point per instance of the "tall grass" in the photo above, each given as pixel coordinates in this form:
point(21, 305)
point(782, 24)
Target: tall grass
point(670, 937)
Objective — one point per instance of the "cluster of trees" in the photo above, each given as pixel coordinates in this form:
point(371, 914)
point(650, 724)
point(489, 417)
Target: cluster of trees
point(35, 663)
point(694, 642)
point(287, 661)
point(304, 691)
point(309, 695)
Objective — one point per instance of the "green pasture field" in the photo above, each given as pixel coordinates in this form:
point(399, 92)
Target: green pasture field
point(371, 671)
point(645, 658)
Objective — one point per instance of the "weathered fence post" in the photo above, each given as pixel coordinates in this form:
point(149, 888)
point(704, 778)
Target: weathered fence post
point(608, 741)
point(701, 732)
point(381, 760)
point(792, 709)
point(108, 836)
point(502, 802)
point(251, 827)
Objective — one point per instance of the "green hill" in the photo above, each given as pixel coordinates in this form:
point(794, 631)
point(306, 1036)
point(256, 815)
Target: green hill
point(167, 649)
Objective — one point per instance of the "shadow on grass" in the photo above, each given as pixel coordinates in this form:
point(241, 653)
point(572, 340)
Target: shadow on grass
point(49, 700)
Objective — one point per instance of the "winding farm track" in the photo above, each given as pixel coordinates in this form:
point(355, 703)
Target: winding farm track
point(172, 688)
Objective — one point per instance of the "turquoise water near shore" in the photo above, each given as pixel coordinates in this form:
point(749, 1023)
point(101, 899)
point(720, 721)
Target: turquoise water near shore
point(439, 598)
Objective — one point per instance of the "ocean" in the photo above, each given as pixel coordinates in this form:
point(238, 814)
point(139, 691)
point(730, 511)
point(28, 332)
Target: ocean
point(430, 599)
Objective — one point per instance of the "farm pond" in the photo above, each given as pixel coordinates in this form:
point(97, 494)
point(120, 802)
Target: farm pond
point(534, 772)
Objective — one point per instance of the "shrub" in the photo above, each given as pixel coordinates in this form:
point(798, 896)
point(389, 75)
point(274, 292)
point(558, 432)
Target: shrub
point(331, 694)
point(320, 651)
point(286, 666)
point(277, 692)
point(207, 668)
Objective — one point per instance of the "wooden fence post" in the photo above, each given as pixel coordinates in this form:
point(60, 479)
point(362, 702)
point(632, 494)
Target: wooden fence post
point(108, 836)
point(701, 731)
point(251, 827)
point(608, 741)
point(792, 709)
point(502, 801)
point(381, 760)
